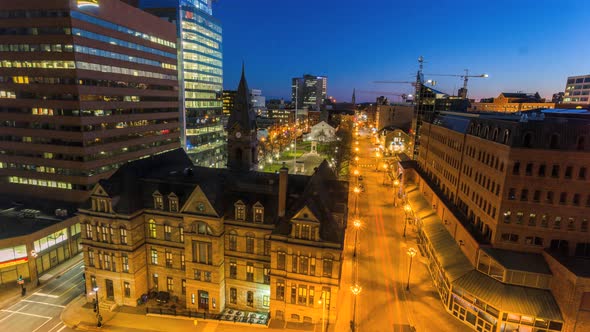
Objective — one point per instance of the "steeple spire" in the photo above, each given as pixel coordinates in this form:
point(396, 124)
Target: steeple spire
point(353, 96)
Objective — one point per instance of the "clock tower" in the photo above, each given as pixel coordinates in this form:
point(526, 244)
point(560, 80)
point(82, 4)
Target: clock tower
point(242, 140)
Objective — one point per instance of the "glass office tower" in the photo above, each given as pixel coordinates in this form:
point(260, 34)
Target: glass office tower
point(200, 75)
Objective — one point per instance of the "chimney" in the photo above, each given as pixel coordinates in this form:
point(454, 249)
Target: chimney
point(283, 177)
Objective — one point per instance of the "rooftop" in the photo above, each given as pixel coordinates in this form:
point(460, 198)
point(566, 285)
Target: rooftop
point(512, 260)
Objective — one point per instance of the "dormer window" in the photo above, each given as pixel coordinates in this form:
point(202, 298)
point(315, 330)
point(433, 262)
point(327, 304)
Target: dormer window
point(258, 213)
point(240, 211)
point(303, 231)
point(173, 202)
point(158, 201)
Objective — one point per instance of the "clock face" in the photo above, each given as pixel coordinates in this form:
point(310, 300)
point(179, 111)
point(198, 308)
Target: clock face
point(238, 134)
point(200, 207)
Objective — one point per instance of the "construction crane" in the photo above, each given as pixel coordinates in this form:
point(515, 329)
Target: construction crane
point(403, 96)
point(431, 82)
point(463, 92)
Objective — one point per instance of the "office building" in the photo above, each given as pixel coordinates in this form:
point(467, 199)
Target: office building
point(219, 240)
point(229, 97)
point(200, 76)
point(258, 102)
point(511, 236)
point(577, 90)
point(85, 87)
point(309, 91)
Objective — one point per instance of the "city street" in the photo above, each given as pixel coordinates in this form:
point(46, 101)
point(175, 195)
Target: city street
point(40, 311)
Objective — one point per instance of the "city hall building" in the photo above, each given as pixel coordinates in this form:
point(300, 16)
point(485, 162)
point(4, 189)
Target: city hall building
point(216, 239)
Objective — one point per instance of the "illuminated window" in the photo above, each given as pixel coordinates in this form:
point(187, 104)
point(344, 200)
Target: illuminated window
point(258, 214)
point(158, 201)
point(233, 296)
point(281, 258)
point(90, 257)
point(240, 211)
point(233, 240)
point(250, 243)
point(154, 256)
point(125, 260)
point(123, 235)
point(127, 288)
point(250, 271)
point(167, 232)
point(280, 290)
point(233, 269)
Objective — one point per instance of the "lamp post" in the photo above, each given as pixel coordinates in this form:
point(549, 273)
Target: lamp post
point(357, 225)
point(385, 168)
point(356, 290)
point(377, 156)
point(395, 186)
point(356, 191)
point(411, 252)
point(407, 210)
point(322, 301)
point(98, 316)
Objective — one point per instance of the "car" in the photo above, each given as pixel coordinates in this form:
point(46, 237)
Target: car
point(163, 297)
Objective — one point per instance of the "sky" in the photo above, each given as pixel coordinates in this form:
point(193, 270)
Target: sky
point(523, 45)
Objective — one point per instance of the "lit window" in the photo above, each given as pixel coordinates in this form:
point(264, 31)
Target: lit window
point(152, 228)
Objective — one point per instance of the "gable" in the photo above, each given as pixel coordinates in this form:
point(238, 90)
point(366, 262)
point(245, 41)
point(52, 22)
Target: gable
point(198, 203)
point(98, 190)
point(305, 214)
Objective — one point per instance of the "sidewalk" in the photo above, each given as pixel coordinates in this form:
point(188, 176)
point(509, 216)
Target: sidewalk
point(11, 294)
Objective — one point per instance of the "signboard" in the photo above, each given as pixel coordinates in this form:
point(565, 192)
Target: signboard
point(14, 262)
point(87, 3)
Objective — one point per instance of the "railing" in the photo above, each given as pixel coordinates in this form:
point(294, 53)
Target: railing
point(201, 315)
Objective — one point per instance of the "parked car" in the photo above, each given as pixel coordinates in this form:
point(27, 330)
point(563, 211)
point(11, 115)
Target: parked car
point(163, 297)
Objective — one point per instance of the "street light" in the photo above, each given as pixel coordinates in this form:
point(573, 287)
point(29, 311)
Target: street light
point(323, 303)
point(97, 309)
point(357, 225)
point(356, 290)
point(407, 210)
point(395, 186)
point(357, 191)
point(411, 252)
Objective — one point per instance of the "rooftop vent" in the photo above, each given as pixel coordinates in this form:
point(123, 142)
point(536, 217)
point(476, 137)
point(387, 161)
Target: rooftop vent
point(61, 212)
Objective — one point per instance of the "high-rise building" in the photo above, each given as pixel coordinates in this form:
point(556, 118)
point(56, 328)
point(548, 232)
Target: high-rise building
point(577, 90)
point(200, 76)
point(229, 97)
point(511, 197)
point(310, 91)
point(85, 87)
point(258, 102)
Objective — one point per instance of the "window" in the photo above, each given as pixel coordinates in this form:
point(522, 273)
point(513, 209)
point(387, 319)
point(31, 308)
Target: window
point(93, 281)
point(534, 241)
point(529, 169)
point(158, 201)
point(516, 168)
point(524, 195)
point(154, 255)
point(182, 261)
point(233, 240)
point(233, 296)
point(555, 171)
point(266, 247)
point(293, 293)
point(168, 259)
point(169, 284)
point(266, 273)
point(280, 290)
point(557, 223)
point(155, 280)
point(123, 235)
point(509, 237)
point(258, 214)
point(571, 224)
point(542, 170)
point(562, 198)
point(511, 194)
point(240, 211)
point(89, 231)
point(127, 288)
point(233, 269)
point(544, 221)
point(173, 200)
point(103, 233)
point(537, 196)
point(152, 228)
point(550, 197)
point(582, 173)
point(207, 276)
point(327, 270)
point(326, 296)
point(90, 257)
point(507, 215)
point(519, 217)
point(250, 298)
point(281, 258)
point(167, 232)
point(311, 295)
point(197, 274)
point(265, 301)
point(294, 263)
point(183, 286)
point(312, 266)
point(576, 200)
point(584, 225)
point(202, 228)
point(125, 260)
point(302, 296)
point(250, 271)
point(568, 172)
point(202, 252)
point(181, 234)
point(250, 243)
point(303, 264)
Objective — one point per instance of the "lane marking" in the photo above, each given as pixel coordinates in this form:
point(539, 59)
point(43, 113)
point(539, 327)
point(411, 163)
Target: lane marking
point(12, 312)
point(45, 303)
point(56, 325)
point(40, 326)
point(75, 285)
point(23, 313)
point(63, 327)
point(46, 295)
point(77, 275)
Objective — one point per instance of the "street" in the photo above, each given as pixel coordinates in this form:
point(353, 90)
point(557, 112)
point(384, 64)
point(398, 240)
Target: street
point(40, 311)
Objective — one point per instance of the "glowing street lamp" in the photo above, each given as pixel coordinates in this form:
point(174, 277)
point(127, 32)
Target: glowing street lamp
point(357, 191)
point(411, 252)
point(356, 149)
point(395, 191)
point(357, 225)
point(356, 290)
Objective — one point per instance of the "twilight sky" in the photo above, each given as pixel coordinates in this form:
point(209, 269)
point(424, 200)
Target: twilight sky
point(524, 45)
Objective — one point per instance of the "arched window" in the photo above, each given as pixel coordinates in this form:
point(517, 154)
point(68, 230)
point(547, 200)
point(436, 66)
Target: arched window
point(495, 134)
point(554, 141)
point(250, 243)
point(201, 228)
point(527, 140)
point(327, 265)
point(484, 132)
point(240, 210)
point(477, 129)
point(152, 231)
point(233, 240)
point(123, 235)
point(506, 137)
point(580, 144)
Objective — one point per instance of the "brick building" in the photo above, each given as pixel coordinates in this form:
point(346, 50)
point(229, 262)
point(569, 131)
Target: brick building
point(513, 196)
point(217, 239)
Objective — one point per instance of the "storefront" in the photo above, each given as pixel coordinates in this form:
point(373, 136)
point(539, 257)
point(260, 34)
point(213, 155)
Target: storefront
point(57, 247)
point(13, 263)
